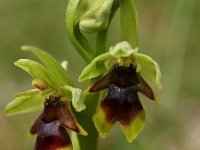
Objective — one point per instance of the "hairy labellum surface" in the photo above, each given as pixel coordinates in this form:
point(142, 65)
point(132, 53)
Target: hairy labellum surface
point(122, 102)
point(51, 126)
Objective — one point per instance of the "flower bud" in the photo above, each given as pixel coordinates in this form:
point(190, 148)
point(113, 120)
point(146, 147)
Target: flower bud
point(96, 18)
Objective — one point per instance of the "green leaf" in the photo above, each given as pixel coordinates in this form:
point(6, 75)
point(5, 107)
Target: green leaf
point(122, 49)
point(35, 69)
point(74, 95)
point(96, 68)
point(132, 130)
point(96, 17)
point(56, 71)
point(149, 68)
point(23, 104)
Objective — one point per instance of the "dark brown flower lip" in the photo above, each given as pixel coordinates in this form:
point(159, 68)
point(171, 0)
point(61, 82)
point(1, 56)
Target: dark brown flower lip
point(123, 112)
point(52, 123)
point(57, 110)
point(122, 102)
point(51, 136)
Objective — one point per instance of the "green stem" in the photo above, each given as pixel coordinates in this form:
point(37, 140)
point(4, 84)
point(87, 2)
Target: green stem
point(89, 142)
point(79, 41)
point(101, 41)
point(102, 35)
point(128, 22)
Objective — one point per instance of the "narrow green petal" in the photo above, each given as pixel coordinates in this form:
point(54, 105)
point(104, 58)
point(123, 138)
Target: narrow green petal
point(148, 68)
point(28, 93)
point(96, 68)
point(101, 124)
point(35, 69)
point(24, 104)
point(132, 130)
point(122, 49)
point(74, 95)
point(57, 72)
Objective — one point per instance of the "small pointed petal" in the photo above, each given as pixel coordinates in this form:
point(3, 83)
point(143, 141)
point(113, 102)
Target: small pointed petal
point(132, 130)
point(145, 89)
point(101, 123)
point(96, 68)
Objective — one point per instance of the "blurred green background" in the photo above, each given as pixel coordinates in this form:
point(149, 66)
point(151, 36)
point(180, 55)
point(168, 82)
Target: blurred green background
point(168, 31)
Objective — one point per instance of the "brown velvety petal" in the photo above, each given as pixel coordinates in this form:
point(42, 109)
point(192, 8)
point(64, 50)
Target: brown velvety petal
point(51, 136)
point(122, 112)
point(101, 83)
point(145, 89)
point(59, 110)
point(34, 128)
point(121, 104)
point(66, 118)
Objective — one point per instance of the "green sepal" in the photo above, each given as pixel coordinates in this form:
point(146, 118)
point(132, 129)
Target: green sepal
point(96, 18)
point(122, 49)
point(148, 68)
point(132, 130)
point(56, 71)
point(28, 93)
point(96, 68)
point(102, 63)
point(74, 95)
point(101, 124)
point(35, 69)
point(25, 103)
